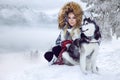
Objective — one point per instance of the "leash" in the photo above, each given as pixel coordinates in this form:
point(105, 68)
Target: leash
point(60, 59)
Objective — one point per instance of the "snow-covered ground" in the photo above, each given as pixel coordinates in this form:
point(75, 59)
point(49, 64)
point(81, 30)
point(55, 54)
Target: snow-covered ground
point(22, 49)
point(30, 64)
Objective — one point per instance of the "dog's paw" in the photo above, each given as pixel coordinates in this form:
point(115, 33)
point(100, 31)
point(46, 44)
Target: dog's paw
point(84, 72)
point(95, 70)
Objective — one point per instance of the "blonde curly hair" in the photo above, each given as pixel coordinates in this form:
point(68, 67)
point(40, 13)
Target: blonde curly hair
point(67, 8)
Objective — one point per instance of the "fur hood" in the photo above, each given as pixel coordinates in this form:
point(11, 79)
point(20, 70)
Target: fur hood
point(77, 10)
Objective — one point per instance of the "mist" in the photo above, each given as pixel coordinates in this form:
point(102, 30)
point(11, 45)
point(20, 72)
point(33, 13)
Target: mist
point(26, 25)
point(27, 38)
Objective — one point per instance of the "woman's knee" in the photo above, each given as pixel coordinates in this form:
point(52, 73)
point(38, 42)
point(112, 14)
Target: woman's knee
point(56, 50)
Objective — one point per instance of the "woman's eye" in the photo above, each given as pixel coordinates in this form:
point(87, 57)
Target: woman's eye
point(74, 17)
point(68, 17)
point(71, 17)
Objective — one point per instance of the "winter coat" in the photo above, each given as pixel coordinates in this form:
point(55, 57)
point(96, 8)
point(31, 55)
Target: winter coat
point(74, 32)
point(62, 36)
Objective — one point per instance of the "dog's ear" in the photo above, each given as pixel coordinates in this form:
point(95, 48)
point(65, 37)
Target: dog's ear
point(97, 33)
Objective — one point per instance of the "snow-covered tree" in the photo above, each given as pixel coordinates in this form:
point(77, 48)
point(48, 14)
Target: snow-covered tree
point(108, 18)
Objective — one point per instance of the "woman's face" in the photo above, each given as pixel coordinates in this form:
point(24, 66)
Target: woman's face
point(71, 19)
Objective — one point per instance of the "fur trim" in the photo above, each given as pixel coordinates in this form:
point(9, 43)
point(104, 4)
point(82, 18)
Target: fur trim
point(75, 8)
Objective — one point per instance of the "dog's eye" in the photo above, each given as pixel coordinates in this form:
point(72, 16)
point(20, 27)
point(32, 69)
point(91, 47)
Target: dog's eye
point(86, 23)
point(87, 29)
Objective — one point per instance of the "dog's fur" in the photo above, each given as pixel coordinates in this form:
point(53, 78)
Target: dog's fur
point(83, 51)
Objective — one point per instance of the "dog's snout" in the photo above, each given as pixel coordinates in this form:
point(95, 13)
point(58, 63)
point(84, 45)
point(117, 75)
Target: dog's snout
point(84, 30)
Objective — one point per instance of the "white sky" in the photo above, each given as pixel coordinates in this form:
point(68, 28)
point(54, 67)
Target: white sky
point(44, 5)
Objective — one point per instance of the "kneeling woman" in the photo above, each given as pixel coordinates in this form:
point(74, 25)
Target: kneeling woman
point(69, 19)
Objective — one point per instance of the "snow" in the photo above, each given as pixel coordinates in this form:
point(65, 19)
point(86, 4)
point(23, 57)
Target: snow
point(22, 49)
point(31, 65)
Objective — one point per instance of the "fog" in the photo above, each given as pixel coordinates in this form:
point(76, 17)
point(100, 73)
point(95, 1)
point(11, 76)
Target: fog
point(27, 38)
point(46, 4)
point(39, 4)
point(29, 24)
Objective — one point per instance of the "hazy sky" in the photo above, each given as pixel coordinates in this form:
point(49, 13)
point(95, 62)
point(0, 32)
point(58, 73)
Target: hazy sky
point(46, 5)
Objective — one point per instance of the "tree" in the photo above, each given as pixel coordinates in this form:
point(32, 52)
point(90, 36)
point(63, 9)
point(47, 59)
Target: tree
point(108, 18)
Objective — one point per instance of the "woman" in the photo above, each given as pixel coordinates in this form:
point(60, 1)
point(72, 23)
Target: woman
point(69, 19)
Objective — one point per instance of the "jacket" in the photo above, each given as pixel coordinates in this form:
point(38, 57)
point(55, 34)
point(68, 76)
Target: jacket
point(62, 36)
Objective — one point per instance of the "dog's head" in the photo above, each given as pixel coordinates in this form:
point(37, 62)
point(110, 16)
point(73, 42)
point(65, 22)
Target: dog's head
point(90, 28)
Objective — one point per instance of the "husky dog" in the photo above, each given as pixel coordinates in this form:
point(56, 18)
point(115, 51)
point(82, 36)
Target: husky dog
point(84, 51)
point(89, 45)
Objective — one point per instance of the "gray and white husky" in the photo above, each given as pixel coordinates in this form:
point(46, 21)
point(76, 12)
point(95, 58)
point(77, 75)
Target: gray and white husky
point(84, 51)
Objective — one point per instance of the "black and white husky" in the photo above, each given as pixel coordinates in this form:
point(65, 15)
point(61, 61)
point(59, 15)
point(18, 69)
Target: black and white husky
point(84, 51)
